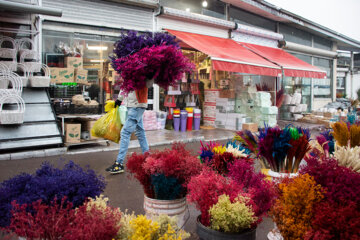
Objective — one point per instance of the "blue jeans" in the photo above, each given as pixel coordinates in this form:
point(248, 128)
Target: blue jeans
point(134, 122)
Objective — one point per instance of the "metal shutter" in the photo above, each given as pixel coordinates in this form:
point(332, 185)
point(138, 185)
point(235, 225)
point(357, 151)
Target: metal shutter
point(101, 13)
point(186, 26)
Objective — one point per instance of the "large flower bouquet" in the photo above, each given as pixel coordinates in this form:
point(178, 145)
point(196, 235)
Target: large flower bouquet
point(72, 182)
point(164, 174)
point(140, 57)
point(283, 149)
point(323, 202)
point(232, 202)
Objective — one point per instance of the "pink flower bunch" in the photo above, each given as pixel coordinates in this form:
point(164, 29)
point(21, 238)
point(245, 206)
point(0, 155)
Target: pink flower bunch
point(205, 189)
point(165, 64)
point(261, 191)
point(176, 163)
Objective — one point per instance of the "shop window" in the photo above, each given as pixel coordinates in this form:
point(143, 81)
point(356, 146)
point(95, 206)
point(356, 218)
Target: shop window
point(300, 85)
point(295, 35)
point(340, 87)
point(322, 87)
point(243, 17)
point(214, 8)
point(322, 43)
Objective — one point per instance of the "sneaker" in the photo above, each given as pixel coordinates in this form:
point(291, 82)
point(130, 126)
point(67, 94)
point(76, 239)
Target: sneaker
point(115, 168)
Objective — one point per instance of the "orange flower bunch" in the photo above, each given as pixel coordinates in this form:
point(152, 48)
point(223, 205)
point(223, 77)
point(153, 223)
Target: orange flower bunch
point(293, 210)
point(354, 135)
point(341, 133)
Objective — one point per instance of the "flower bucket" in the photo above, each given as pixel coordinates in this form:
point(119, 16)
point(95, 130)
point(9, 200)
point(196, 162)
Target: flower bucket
point(275, 234)
point(206, 233)
point(276, 176)
point(177, 207)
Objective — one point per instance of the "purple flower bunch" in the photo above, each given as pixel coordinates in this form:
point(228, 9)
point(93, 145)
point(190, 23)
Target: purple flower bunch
point(48, 183)
point(139, 57)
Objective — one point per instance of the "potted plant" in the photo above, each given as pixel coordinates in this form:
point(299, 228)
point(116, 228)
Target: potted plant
point(231, 206)
point(323, 202)
point(48, 183)
point(164, 176)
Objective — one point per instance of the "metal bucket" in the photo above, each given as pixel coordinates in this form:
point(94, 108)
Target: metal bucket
point(206, 233)
point(177, 207)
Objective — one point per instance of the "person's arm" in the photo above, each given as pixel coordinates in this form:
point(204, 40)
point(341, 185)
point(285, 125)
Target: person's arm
point(119, 100)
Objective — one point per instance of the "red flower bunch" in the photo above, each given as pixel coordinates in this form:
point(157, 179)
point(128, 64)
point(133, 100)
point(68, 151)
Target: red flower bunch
point(334, 221)
point(165, 64)
point(60, 221)
point(341, 183)
point(220, 162)
point(205, 189)
point(176, 163)
point(261, 191)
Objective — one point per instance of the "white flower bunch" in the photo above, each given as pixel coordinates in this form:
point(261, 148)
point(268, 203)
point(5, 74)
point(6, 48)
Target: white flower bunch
point(236, 151)
point(348, 157)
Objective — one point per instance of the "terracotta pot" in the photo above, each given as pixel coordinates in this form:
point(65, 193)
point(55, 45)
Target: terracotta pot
point(206, 233)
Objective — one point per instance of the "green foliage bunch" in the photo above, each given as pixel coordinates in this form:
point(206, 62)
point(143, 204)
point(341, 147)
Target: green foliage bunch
point(233, 217)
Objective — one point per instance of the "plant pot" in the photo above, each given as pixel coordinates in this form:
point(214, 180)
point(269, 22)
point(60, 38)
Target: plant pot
point(176, 207)
point(206, 233)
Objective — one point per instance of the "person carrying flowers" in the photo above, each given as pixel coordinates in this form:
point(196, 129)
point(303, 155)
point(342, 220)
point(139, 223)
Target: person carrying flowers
point(143, 59)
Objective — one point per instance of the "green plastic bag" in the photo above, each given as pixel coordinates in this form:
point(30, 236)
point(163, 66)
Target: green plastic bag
point(123, 114)
point(109, 125)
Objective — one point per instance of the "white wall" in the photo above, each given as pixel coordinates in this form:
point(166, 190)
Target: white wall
point(356, 84)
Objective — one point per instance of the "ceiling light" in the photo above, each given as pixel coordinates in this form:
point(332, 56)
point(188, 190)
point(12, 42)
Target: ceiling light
point(187, 9)
point(97, 47)
point(205, 4)
point(97, 60)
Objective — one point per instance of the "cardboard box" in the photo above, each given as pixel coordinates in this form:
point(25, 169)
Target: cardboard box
point(87, 126)
point(74, 62)
point(72, 132)
point(61, 75)
point(252, 127)
point(227, 94)
point(81, 76)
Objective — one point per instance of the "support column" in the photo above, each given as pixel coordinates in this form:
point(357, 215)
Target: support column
point(334, 74)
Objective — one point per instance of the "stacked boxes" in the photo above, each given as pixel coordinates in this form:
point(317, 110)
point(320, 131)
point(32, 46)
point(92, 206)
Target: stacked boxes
point(73, 72)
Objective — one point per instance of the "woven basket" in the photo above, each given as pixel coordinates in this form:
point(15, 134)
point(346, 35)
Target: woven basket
point(15, 83)
point(8, 52)
point(10, 65)
point(30, 52)
point(31, 66)
point(3, 67)
point(40, 81)
point(12, 116)
point(25, 77)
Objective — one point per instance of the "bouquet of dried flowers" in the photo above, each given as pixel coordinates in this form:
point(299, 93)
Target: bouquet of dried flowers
point(72, 181)
point(164, 174)
point(283, 149)
point(218, 156)
point(140, 57)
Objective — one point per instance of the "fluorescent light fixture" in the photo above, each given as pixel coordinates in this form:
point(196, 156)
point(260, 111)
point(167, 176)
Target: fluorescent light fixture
point(204, 3)
point(97, 60)
point(97, 47)
point(187, 9)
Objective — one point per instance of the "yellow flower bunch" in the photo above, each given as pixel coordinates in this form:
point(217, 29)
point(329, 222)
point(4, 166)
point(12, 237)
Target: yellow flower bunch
point(231, 217)
point(341, 133)
point(100, 202)
point(140, 227)
point(292, 211)
point(236, 152)
point(219, 149)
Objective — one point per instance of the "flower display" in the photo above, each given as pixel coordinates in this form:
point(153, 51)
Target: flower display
point(348, 157)
point(323, 202)
point(72, 182)
point(227, 216)
point(293, 210)
point(283, 149)
point(141, 57)
point(164, 174)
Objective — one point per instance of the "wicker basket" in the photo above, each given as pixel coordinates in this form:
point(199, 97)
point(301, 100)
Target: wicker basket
point(3, 67)
point(40, 81)
point(12, 116)
point(31, 66)
point(15, 83)
point(10, 65)
point(25, 77)
point(8, 52)
point(30, 52)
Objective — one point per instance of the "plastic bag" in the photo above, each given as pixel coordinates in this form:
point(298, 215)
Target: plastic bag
point(109, 125)
point(123, 114)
